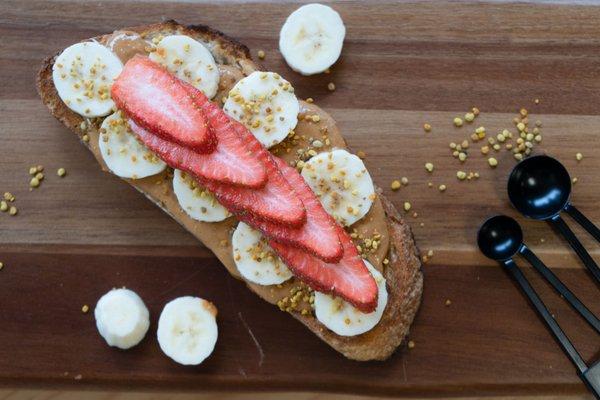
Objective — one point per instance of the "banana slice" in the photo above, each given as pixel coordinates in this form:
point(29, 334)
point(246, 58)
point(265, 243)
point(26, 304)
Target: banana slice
point(345, 320)
point(311, 38)
point(123, 153)
point(190, 61)
point(122, 318)
point(196, 201)
point(83, 75)
point(342, 183)
point(266, 104)
point(187, 330)
point(255, 260)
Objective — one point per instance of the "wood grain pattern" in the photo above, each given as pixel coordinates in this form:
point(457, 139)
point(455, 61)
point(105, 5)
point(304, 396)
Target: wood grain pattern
point(403, 64)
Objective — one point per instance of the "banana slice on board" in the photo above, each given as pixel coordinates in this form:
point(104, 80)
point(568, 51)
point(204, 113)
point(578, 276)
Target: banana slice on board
point(190, 60)
point(311, 38)
point(122, 318)
point(123, 153)
point(342, 183)
point(343, 318)
point(266, 104)
point(196, 201)
point(83, 75)
point(187, 330)
point(255, 260)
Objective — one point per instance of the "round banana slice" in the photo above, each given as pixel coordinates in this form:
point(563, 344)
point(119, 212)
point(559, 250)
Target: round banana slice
point(190, 60)
point(255, 260)
point(266, 104)
point(342, 183)
point(196, 201)
point(83, 75)
point(187, 330)
point(123, 153)
point(311, 38)
point(343, 318)
point(122, 318)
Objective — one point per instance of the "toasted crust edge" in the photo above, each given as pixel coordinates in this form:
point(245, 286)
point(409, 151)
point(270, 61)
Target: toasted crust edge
point(403, 273)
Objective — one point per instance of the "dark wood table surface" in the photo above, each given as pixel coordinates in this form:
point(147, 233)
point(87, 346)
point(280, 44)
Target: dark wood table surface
point(403, 64)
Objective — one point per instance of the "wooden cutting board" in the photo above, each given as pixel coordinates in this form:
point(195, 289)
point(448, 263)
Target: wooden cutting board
point(403, 64)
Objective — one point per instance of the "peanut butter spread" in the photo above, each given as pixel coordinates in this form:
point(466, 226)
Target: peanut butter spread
point(370, 234)
point(126, 44)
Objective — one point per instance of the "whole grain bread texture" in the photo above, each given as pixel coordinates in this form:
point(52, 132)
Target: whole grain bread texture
point(403, 270)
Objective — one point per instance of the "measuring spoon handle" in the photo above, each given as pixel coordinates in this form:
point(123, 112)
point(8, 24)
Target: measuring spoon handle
point(583, 221)
point(543, 312)
point(568, 234)
point(560, 287)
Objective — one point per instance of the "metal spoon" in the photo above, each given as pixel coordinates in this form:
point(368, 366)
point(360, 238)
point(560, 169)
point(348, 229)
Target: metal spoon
point(500, 238)
point(540, 188)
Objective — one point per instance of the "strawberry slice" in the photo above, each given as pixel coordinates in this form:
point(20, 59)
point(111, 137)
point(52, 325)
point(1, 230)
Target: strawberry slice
point(274, 201)
point(349, 278)
point(277, 202)
point(229, 163)
point(158, 102)
point(317, 236)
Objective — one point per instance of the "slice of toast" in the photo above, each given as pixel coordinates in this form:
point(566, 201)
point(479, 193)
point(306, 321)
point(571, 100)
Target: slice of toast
point(396, 255)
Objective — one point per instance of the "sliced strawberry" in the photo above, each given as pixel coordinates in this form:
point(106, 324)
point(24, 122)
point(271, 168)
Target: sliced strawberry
point(276, 202)
point(317, 236)
point(158, 102)
point(229, 163)
point(349, 278)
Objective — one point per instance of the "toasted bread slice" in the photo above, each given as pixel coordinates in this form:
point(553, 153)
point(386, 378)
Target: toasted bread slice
point(397, 255)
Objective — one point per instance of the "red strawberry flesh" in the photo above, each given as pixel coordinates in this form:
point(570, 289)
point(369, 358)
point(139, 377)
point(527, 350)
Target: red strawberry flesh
point(158, 102)
point(276, 202)
point(317, 236)
point(229, 163)
point(349, 278)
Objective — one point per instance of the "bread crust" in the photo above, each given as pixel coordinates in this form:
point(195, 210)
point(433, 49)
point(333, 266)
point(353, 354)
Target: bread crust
point(404, 271)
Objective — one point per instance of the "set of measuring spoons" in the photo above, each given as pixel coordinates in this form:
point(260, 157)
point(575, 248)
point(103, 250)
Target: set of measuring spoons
point(539, 187)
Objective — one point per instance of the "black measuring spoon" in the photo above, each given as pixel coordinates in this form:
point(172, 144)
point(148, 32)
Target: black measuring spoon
point(540, 188)
point(500, 238)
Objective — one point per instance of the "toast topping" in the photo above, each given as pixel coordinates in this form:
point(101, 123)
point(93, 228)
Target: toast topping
point(83, 75)
point(158, 102)
point(196, 201)
point(276, 201)
point(126, 45)
point(255, 259)
point(345, 319)
point(342, 183)
point(349, 278)
point(122, 151)
point(230, 163)
point(317, 236)
point(190, 61)
point(266, 104)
